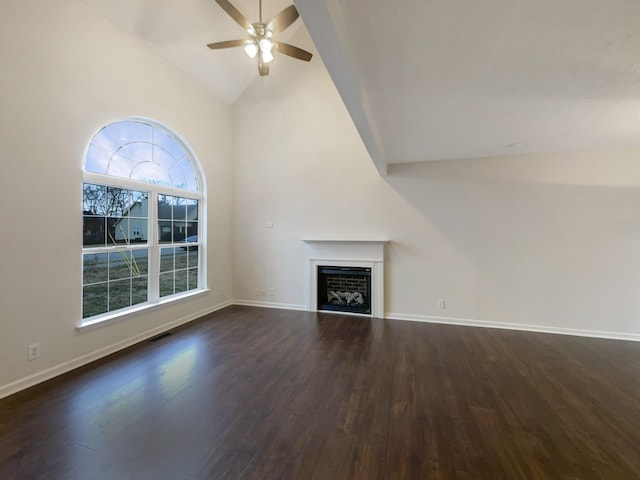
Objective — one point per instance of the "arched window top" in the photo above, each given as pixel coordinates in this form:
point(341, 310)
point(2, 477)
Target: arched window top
point(142, 151)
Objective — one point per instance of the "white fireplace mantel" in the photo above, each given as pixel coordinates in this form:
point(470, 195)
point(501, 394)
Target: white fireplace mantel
point(346, 253)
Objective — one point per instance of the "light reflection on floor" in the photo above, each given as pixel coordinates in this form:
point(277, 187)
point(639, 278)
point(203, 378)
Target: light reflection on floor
point(115, 396)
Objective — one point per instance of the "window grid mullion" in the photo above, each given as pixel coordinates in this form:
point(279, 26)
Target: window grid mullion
point(154, 253)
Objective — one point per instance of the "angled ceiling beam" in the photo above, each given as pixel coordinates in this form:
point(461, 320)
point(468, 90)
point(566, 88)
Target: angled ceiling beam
point(325, 22)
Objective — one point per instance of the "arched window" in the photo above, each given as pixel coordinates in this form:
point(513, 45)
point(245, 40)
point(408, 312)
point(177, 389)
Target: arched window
point(142, 220)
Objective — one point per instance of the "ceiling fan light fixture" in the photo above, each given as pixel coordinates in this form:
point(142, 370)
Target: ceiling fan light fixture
point(267, 56)
point(251, 49)
point(266, 45)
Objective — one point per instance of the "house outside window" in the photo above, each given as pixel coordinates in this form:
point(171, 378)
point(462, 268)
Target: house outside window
point(142, 220)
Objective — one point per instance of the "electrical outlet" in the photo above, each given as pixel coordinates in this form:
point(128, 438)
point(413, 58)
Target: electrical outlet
point(33, 351)
point(271, 292)
point(441, 304)
point(262, 292)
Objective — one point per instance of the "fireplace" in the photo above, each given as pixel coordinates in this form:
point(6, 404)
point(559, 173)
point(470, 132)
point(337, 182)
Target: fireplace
point(352, 259)
point(344, 289)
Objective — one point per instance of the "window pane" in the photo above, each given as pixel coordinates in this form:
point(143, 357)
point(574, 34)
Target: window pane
point(119, 294)
point(179, 231)
point(139, 151)
point(193, 278)
point(117, 231)
point(192, 210)
point(193, 256)
point(181, 201)
point(181, 281)
point(139, 204)
point(140, 259)
point(180, 227)
point(165, 205)
point(192, 231)
point(98, 157)
point(181, 258)
point(151, 173)
point(94, 268)
point(164, 159)
point(168, 144)
point(117, 202)
point(128, 131)
point(179, 210)
point(138, 230)
point(184, 176)
point(120, 265)
point(94, 231)
point(166, 284)
point(121, 164)
point(139, 290)
point(164, 231)
point(94, 199)
point(94, 300)
point(166, 259)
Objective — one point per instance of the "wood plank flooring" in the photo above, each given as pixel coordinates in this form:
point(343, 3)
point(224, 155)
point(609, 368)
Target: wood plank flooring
point(249, 393)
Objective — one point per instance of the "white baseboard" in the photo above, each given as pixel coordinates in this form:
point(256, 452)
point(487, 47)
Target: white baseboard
point(285, 306)
point(514, 326)
point(467, 322)
point(65, 367)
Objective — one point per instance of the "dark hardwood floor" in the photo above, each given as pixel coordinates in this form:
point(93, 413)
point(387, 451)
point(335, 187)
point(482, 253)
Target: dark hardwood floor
point(250, 393)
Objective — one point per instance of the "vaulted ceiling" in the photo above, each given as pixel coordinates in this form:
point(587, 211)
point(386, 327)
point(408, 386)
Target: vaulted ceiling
point(436, 79)
point(179, 31)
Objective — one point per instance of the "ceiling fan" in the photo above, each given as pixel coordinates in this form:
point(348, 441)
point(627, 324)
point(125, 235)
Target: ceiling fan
point(260, 44)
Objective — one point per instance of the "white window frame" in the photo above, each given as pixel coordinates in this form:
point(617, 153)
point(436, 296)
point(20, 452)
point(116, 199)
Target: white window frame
point(153, 245)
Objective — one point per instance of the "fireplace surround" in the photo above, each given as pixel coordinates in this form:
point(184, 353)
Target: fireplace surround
point(367, 255)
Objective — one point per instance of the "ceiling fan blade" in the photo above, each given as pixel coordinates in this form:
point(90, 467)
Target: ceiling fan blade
point(263, 68)
point(283, 20)
point(234, 13)
point(226, 44)
point(292, 51)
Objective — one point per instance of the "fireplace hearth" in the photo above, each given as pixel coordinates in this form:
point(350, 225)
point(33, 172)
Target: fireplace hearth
point(344, 289)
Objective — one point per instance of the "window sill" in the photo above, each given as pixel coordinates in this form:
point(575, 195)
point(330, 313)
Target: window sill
point(125, 314)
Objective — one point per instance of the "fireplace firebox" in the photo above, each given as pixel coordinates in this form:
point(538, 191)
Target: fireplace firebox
point(344, 289)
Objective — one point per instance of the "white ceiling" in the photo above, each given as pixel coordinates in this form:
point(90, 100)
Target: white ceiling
point(442, 79)
point(436, 79)
point(179, 31)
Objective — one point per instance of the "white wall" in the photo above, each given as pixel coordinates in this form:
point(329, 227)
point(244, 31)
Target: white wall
point(66, 71)
point(547, 242)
